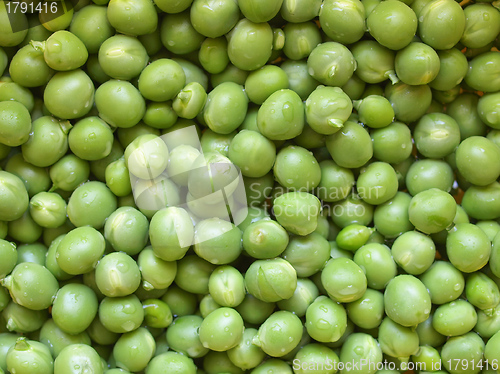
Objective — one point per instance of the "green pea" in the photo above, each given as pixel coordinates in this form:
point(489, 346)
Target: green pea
point(480, 202)
point(80, 250)
point(441, 32)
point(326, 320)
point(91, 139)
point(171, 233)
point(121, 314)
point(414, 252)
point(277, 342)
point(327, 108)
point(190, 100)
point(48, 209)
point(361, 348)
point(483, 74)
point(213, 55)
point(477, 150)
point(391, 218)
point(11, 91)
point(351, 210)
point(9, 256)
point(90, 204)
point(300, 39)
point(227, 286)
point(393, 26)
point(214, 19)
point(221, 114)
point(265, 239)
point(56, 339)
point(23, 320)
point(75, 89)
point(453, 68)
point(481, 25)
point(428, 358)
point(481, 291)
point(9, 37)
point(51, 261)
point(397, 340)
point(250, 44)
point(429, 173)
point(487, 323)
point(90, 24)
point(409, 102)
point(15, 123)
point(27, 353)
point(432, 210)
point(117, 274)
point(193, 267)
point(183, 336)
point(354, 87)
point(178, 34)
point(171, 362)
point(39, 141)
point(132, 18)
point(464, 110)
point(59, 19)
point(134, 350)
point(246, 355)
point(407, 301)
point(221, 330)
point(296, 168)
point(74, 309)
point(28, 67)
point(271, 280)
point(157, 313)
point(73, 357)
point(31, 285)
point(299, 250)
point(207, 305)
point(7, 340)
point(350, 134)
point(377, 183)
point(281, 116)
point(118, 178)
point(210, 234)
point(368, 311)
point(303, 296)
point(331, 63)
point(122, 57)
point(63, 51)
point(156, 273)
point(25, 229)
point(428, 335)
point(261, 83)
point(454, 318)
point(115, 94)
point(468, 255)
point(349, 27)
point(375, 111)
point(344, 280)
point(69, 172)
point(336, 182)
point(353, 236)
point(299, 79)
point(297, 212)
point(374, 62)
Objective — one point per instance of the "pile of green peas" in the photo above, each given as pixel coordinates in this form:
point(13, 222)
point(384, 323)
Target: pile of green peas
point(367, 133)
